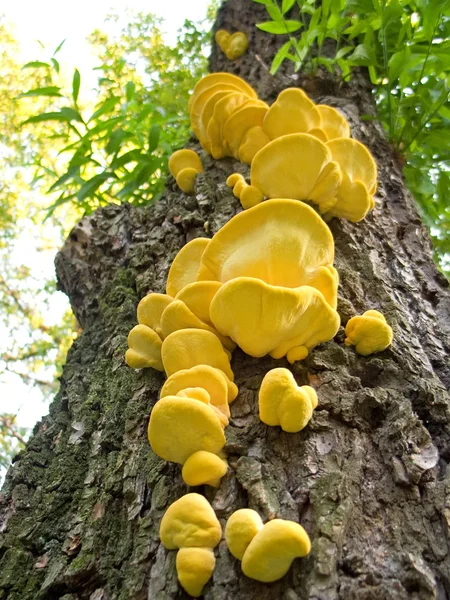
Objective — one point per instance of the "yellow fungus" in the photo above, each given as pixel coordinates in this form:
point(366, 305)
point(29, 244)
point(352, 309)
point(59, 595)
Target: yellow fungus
point(190, 526)
point(354, 198)
point(183, 270)
point(282, 402)
point(292, 112)
point(204, 468)
point(369, 333)
point(144, 349)
point(266, 551)
point(297, 166)
point(184, 165)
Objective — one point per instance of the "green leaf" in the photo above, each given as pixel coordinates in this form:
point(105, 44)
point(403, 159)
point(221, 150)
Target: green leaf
point(51, 116)
point(92, 185)
point(106, 107)
point(71, 114)
point(363, 55)
point(280, 28)
point(59, 47)
point(130, 89)
point(279, 57)
point(287, 5)
point(115, 140)
point(76, 80)
point(50, 90)
point(35, 64)
point(124, 159)
point(55, 64)
point(153, 138)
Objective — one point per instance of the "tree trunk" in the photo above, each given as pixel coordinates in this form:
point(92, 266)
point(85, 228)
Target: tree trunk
point(368, 478)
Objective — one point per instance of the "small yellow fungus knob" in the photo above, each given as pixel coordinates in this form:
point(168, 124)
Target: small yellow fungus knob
point(184, 166)
point(241, 528)
point(282, 402)
point(249, 195)
point(369, 333)
point(233, 46)
point(190, 526)
point(204, 468)
point(195, 567)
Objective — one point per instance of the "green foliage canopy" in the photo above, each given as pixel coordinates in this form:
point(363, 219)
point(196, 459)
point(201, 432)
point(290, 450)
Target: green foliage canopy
point(405, 45)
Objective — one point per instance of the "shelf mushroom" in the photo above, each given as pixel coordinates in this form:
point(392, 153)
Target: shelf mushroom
point(297, 166)
point(144, 349)
point(369, 333)
point(354, 198)
point(279, 288)
point(187, 348)
point(266, 551)
point(292, 112)
point(190, 526)
point(282, 402)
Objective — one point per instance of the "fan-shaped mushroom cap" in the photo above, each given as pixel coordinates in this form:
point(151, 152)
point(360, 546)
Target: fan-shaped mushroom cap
point(194, 568)
point(214, 381)
point(200, 394)
point(180, 426)
point(297, 166)
point(144, 349)
point(369, 333)
point(292, 112)
point(215, 78)
point(190, 522)
point(254, 139)
point(332, 123)
point(184, 166)
point(204, 468)
point(239, 122)
point(198, 296)
point(223, 109)
point(282, 402)
point(206, 116)
point(200, 101)
point(271, 552)
point(265, 319)
point(359, 179)
point(183, 270)
point(187, 348)
point(240, 529)
point(178, 316)
point(150, 309)
point(282, 242)
point(210, 379)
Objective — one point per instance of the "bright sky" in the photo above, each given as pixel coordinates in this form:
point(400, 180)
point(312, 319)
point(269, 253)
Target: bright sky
point(51, 21)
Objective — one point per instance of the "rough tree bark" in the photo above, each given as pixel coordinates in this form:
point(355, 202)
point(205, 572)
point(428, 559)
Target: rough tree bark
point(368, 478)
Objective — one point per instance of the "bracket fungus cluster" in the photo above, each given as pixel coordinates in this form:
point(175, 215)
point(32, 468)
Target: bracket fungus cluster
point(233, 45)
point(296, 149)
point(266, 551)
point(265, 282)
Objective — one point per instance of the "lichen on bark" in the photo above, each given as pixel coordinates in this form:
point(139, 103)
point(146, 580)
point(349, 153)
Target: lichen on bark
point(368, 478)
